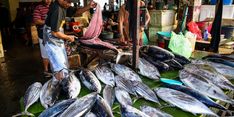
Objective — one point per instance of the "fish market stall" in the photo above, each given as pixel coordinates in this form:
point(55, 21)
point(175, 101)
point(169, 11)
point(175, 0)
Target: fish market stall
point(141, 99)
point(163, 84)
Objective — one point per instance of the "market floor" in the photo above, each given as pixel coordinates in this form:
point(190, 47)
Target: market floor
point(22, 67)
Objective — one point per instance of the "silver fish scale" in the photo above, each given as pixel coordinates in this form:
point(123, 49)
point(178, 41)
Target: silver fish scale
point(129, 111)
point(73, 86)
point(210, 73)
point(203, 86)
point(148, 70)
point(105, 74)
point(56, 109)
point(183, 101)
point(122, 96)
point(125, 72)
point(90, 81)
point(32, 94)
point(102, 104)
point(126, 85)
point(154, 112)
point(80, 106)
point(144, 91)
point(109, 94)
point(49, 94)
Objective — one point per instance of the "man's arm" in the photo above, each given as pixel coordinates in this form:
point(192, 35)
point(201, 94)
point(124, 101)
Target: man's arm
point(91, 4)
point(63, 36)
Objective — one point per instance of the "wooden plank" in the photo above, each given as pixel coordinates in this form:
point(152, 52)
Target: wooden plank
point(1, 47)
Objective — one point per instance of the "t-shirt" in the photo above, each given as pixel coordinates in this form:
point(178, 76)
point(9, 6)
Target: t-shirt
point(56, 16)
point(40, 13)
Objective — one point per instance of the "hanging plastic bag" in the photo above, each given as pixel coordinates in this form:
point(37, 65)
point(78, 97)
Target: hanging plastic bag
point(180, 45)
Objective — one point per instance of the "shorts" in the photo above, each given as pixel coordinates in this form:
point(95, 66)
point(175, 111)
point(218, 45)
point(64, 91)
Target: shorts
point(57, 57)
point(42, 48)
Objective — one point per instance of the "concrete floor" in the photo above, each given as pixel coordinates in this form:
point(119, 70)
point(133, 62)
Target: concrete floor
point(22, 67)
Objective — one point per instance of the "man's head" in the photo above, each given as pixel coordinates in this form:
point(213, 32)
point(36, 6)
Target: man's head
point(47, 2)
point(64, 3)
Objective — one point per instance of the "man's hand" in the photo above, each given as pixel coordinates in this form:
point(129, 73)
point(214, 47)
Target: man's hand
point(71, 38)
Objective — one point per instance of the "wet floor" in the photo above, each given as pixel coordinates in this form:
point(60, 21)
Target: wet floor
point(22, 66)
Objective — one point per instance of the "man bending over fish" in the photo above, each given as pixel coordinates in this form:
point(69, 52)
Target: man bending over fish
point(54, 36)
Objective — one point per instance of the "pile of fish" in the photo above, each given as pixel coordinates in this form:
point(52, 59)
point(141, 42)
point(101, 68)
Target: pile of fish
point(163, 59)
point(109, 83)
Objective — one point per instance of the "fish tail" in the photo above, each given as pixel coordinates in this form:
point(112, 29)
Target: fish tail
point(120, 54)
point(24, 113)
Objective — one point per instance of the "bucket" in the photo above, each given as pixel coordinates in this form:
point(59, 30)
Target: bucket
point(228, 31)
point(163, 39)
point(225, 2)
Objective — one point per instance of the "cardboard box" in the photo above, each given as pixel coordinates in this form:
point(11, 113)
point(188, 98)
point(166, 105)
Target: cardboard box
point(74, 61)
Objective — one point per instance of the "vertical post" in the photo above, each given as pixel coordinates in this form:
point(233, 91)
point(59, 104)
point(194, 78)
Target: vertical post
point(216, 27)
point(134, 26)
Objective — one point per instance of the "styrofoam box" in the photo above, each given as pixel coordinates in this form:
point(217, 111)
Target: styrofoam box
point(208, 11)
point(153, 32)
point(162, 17)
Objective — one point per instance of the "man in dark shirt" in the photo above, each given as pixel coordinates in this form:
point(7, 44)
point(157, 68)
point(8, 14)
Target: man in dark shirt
point(54, 37)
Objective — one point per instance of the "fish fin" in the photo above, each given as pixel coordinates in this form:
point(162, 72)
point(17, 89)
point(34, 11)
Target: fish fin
point(24, 113)
point(120, 54)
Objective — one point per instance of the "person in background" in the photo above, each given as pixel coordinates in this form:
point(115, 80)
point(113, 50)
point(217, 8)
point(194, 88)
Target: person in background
point(54, 37)
point(144, 21)
point(124, 24)
point(123, 28)
point(39, 15)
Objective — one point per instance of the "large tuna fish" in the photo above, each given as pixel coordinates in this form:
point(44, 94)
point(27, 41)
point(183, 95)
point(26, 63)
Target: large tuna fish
point(183, 101)
point(129, 111)
point(101, 108)
point(147, 69)
point(57, 109)
point(181, 59)
point(122, 96)
point(109, 94)
point(49, 93)
point(127, 85)
point(144, 91)
point(225, 70)
point(153, 112)
point(31, 96)
point(156, 52)
point(203, 86)
point(173, 64)
point(90, 81)
point(202, 98)
point(125, 72)
point(105, 75)
point(161, 66)
point(81, 106)
point(72, 86)
point(210, 73)
point(226, 60)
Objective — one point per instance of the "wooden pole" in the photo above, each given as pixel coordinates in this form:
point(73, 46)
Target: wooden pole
point(134, 26)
